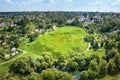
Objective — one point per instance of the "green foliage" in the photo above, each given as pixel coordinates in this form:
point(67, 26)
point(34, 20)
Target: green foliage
point(88, 38)
point(72, 66)
point(33, 36)
point(117, 62)
point(53, 74)
point(94, 44)
point(34, 76)
point(91, 74)
point(102, 68)
point(61, 44)
point(93, 65)
point(84, 75)
point(62, 40)
point(30, 27)
point(111, 67)
point(22, 66)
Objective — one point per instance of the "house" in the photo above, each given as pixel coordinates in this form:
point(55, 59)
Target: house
point(83, 19)
point(105, 38)
point(36, 30)
point(70, 20)
point(86, 26)
point(11, 24)
point(4, 43)
point(6, 56)
point(54, 27)
point(2, 24)
point(13, 50)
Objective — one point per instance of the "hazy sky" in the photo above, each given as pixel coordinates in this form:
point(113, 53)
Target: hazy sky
point(60, 5)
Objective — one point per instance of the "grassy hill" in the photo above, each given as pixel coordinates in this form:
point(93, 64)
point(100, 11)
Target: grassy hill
point(63, 40)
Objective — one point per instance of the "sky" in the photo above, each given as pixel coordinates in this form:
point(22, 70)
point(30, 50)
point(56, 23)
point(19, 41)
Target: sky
point(60, 5)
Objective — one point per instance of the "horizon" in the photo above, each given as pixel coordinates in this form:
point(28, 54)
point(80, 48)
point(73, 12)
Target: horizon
point(58, 11)
point(60, 5)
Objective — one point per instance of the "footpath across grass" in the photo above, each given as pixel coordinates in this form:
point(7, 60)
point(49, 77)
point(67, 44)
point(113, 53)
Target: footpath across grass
point(63, 40)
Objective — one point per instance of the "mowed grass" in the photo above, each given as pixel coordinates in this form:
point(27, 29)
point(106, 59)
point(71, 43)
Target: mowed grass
point(99, 52)
point(4, 69)
point(63, 40)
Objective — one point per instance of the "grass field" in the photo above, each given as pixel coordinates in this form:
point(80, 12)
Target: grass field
point(4, 69)
point(2, 60)
point(63, 40)
point(99, 52)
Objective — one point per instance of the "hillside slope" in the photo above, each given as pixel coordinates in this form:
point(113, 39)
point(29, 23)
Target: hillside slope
point(63, 40)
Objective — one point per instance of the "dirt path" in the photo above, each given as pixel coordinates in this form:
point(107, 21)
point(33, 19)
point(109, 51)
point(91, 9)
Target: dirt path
point(24, 52)
point(88, 48)
point(14, 58)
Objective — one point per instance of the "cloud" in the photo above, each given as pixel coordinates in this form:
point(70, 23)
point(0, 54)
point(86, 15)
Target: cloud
point(35, 1)
point(117, 2)
point(51, 0)
point(68, 0)
point(98, 3)
point(9, 1)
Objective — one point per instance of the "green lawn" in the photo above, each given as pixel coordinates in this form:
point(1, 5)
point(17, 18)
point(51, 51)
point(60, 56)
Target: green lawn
point(63, 40)
point(4, 69)
point(99, 52)
point(2, 60)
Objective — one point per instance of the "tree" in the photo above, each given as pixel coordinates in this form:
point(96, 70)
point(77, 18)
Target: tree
point(102, 44)
point(111, 67)
point(53, 74)
point(22, 66)
point(102, 68)
point(33, 36)
point(117, 61)
point(93, 69)
point(118, 47)
point(88, 38)
point(93, 65)
point(84, 75)
point(94, 56)
point(73, 66)
point(64, 76)
point(34, 76)
point(111, 53)
point(44, 65)
point(91, 74)
point(95, 45)
point(81, 62)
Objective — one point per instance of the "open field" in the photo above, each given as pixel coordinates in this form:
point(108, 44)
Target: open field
point(63, 40)
point(99, 52)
